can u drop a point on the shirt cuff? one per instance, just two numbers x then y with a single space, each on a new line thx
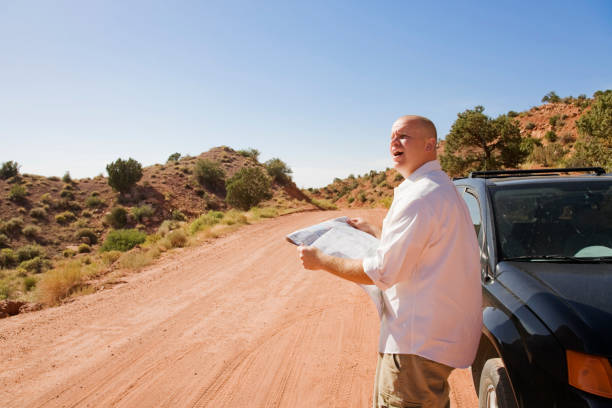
370 267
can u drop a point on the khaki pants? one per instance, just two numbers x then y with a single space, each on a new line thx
408 380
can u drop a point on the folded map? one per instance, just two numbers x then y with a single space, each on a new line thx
336 237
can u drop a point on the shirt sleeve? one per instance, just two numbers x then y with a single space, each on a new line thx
403 239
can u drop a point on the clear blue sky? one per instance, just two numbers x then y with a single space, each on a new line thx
317 84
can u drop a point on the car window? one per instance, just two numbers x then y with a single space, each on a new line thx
474 208
572 219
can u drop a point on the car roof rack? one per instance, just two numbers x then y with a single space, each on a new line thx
525 173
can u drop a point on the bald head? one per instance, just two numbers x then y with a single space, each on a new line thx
420 124
413 143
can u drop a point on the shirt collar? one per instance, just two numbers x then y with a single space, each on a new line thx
426 168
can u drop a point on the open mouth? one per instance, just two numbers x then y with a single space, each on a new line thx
397 154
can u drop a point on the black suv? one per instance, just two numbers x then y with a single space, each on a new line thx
545 241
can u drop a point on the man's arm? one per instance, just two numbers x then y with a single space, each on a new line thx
350 269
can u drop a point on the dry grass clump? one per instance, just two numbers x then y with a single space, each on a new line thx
139 259
324 204
256 213
234 217
109 257
59 283
174 239
205 221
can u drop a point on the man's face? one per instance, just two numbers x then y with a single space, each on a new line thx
409 147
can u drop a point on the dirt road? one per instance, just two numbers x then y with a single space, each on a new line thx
233 323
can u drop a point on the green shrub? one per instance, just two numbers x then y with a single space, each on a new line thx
123 240
29 283
4 241
84 248
65 217
551 136
38 212
554 120
9 169
28 252
67 178
67 194
142 212
86 214
250 152
350 199
247 188
117 217
512 114
69 253
177 215
362 197
278 170
123 174
93 201
90 237
8 258
530 126
398 177
17 193
31 231
12 226
205 220
174 157
35 265
209 174
67 204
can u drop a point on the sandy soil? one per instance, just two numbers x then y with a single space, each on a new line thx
234 322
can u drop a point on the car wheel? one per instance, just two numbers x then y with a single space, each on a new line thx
495 389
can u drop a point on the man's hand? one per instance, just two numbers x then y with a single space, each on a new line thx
364 226
310 257
350 269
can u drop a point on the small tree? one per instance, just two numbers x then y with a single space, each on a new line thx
278 170
9 169
477 142
67 178
123 174
551 97
173 157
247 188
594 148
209 174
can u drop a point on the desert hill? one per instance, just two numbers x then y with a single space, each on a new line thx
551 125
54 210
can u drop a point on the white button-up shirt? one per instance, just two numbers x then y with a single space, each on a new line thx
428 267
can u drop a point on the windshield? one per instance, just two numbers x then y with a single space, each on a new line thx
560 220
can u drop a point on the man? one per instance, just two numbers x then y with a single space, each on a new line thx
427 266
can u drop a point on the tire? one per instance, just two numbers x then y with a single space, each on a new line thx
495 390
